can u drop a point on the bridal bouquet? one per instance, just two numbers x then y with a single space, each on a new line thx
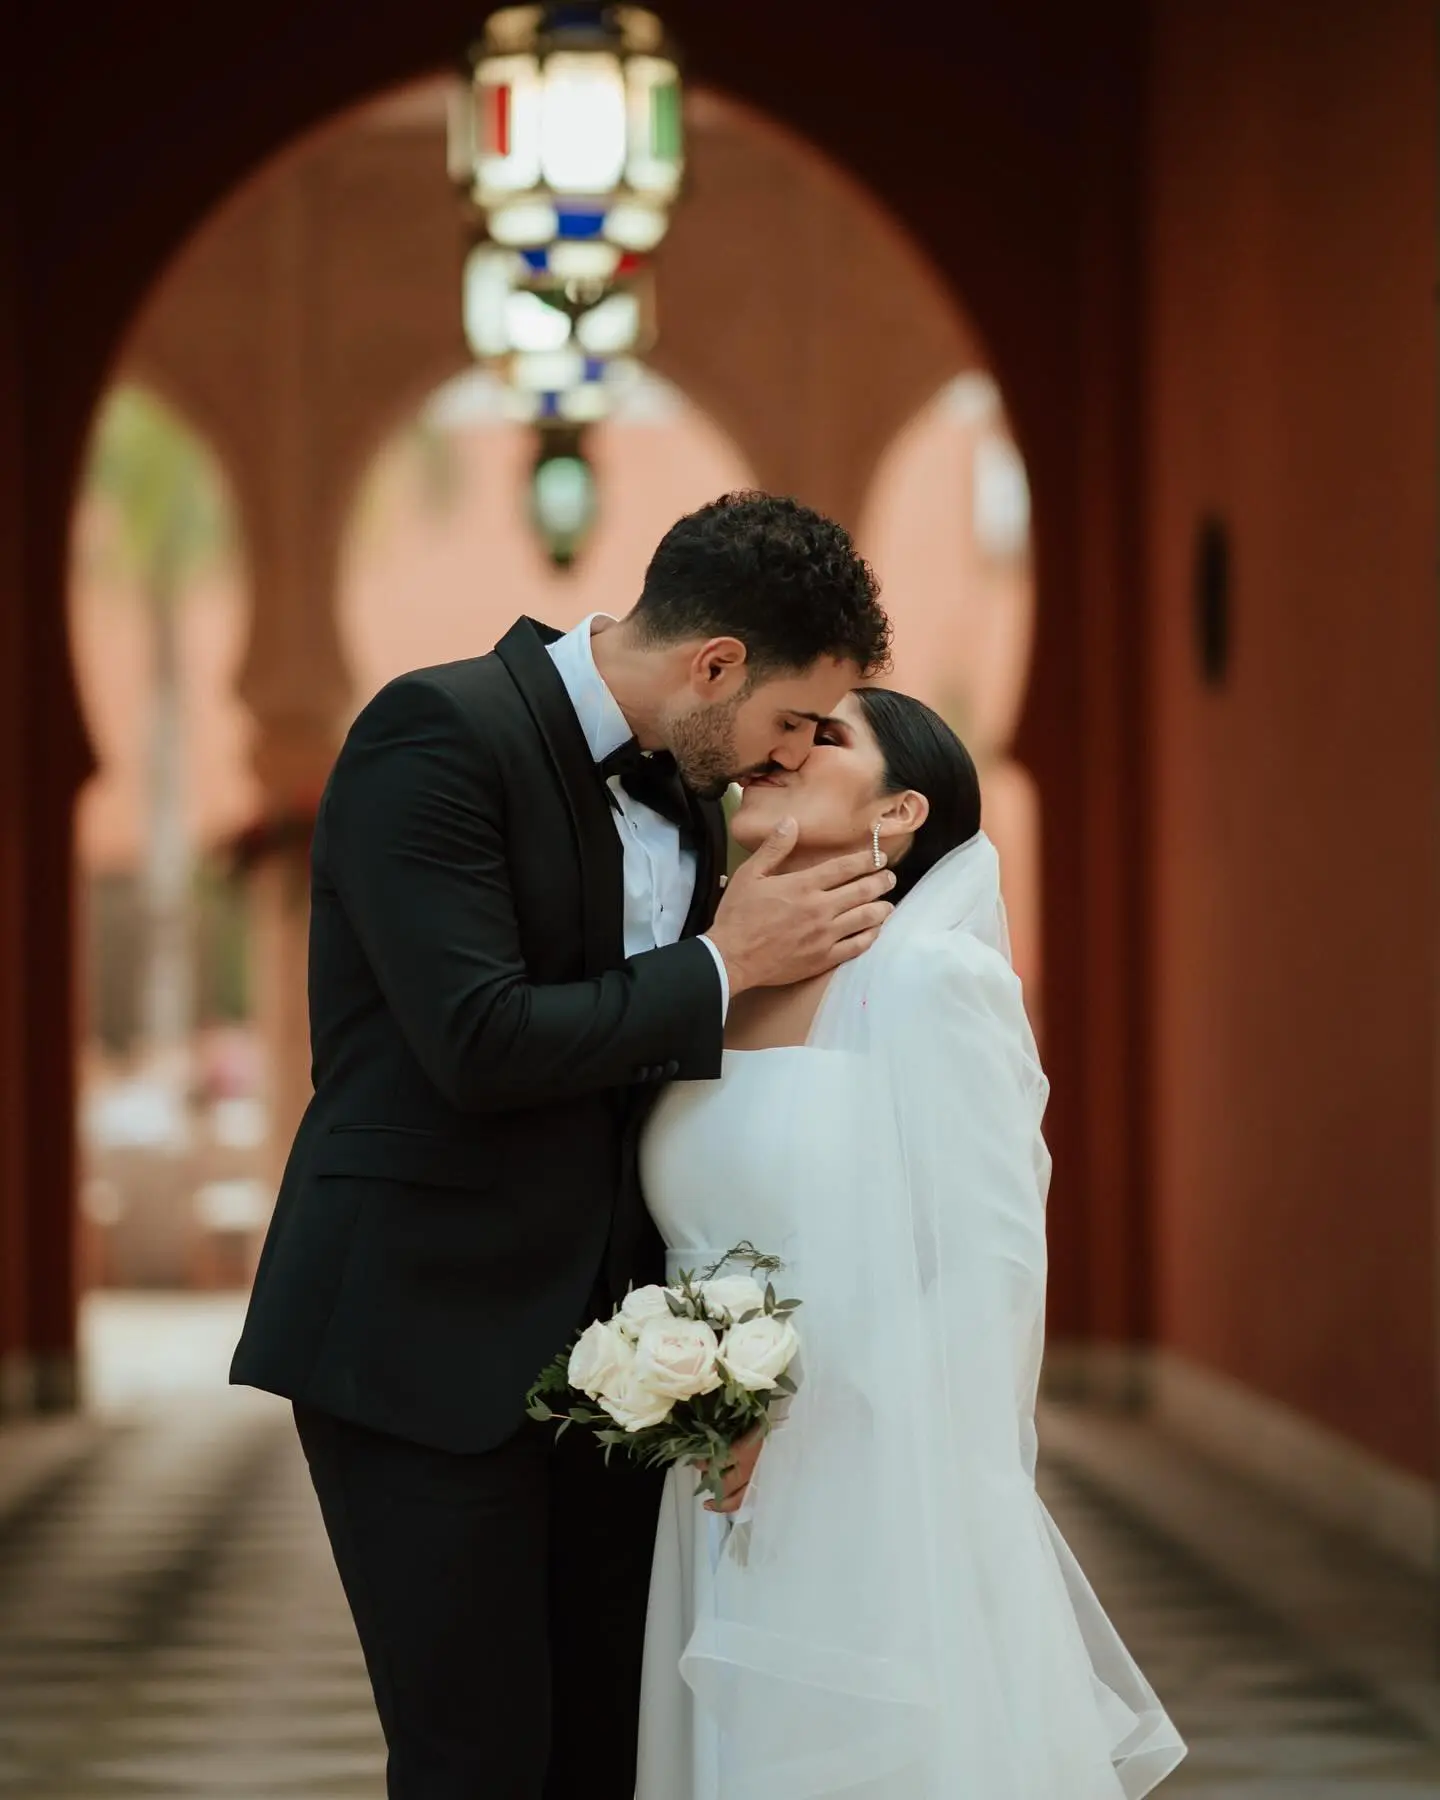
681 1373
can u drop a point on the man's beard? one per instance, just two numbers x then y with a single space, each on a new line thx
703 745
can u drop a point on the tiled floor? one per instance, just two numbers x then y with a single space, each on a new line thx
170 1626
1266 1715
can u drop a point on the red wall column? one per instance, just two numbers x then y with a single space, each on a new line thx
59 761
1111 679
1077 385
43 760
14 1361
51 1016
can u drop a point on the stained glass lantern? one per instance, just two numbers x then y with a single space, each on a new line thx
547 392
567 135
516 306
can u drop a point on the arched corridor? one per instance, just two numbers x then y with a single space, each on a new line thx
1174 250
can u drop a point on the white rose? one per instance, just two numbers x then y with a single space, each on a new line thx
676 1357
641 1305
634 1405
757 1353
732 1296
601 1355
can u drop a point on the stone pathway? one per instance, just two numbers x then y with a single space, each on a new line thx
1266 1716
170 1626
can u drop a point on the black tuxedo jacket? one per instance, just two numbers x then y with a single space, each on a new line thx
464 1178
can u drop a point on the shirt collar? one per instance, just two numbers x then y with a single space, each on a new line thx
604 725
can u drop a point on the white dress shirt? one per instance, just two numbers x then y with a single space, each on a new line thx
659 869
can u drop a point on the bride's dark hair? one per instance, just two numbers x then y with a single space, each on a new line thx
922 752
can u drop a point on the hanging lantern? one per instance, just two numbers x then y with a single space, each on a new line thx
580 398
563 501
568 135
515 305
566 140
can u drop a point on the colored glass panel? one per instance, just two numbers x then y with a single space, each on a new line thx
665 121
574 18
499 117
578 223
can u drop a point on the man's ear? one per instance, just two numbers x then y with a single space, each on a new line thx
717 664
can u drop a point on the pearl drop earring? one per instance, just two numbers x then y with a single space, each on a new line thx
875 846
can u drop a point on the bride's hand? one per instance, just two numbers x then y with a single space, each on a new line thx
739 1472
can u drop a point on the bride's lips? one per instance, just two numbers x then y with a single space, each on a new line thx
749 781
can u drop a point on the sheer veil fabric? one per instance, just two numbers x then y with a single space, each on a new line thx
899 1618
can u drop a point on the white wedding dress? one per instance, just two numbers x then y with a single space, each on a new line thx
894 1616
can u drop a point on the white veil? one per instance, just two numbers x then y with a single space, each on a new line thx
899 1616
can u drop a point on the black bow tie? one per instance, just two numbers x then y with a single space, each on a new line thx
650 777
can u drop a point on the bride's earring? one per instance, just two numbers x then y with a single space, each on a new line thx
879 860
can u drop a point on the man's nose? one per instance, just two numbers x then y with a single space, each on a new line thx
791 754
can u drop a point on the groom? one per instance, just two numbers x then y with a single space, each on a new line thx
514 863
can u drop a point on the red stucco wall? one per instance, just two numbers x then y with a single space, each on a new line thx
1292 387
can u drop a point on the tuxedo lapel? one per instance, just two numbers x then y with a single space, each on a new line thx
602 876
711 848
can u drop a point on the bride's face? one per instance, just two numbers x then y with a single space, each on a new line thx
837 795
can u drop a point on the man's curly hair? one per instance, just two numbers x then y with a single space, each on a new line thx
783 579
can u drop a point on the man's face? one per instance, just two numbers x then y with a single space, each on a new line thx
770 725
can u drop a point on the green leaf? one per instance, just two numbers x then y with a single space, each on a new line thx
745 1252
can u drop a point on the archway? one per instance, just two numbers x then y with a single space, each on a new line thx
1008 290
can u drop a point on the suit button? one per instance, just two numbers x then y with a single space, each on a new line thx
644 1073
671 1070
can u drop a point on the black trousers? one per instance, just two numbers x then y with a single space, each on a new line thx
500 1601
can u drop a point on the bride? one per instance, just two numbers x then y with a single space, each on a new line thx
891 1614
